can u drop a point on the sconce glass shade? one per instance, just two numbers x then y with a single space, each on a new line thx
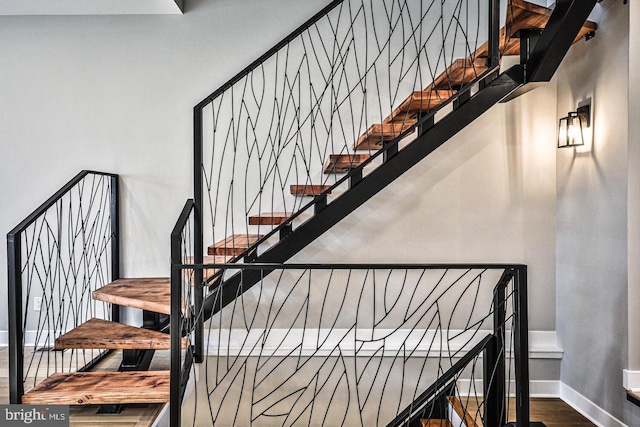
571 128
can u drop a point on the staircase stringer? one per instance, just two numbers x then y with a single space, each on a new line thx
368 186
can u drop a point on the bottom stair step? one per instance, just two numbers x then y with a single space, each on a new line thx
104 334
101 388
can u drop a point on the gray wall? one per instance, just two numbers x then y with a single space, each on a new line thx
592 217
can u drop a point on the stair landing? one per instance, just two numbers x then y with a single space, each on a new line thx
101 388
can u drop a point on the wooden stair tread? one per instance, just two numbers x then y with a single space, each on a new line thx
459 408
435 423
309 190
234 245
378 134
209 259
99 388
104 334
341 163
419 102
523 15
461 72
151 294
269 218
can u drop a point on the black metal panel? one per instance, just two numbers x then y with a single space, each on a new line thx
394 167
176 328
198 234
521 350
565 22
16 339
115 241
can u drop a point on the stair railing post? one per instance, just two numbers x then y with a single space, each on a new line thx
16 339
198 237
521 346
175 395
494 359
115 241
494 34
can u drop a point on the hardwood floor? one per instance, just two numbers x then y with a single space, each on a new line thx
552 412
556 413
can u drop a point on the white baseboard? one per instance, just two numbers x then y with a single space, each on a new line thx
631 380
590 410
323 342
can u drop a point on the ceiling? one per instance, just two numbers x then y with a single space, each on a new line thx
90 7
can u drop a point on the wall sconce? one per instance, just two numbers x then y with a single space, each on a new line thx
571 130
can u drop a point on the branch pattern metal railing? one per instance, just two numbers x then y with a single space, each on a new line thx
347 344
359 345
60 254
277 122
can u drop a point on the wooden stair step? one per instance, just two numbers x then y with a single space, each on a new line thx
461 72
522 15
378 134
209 259
100 388
419 102
234 245
104 334
461 411
309 190
151 294
342 163
435 423
269 218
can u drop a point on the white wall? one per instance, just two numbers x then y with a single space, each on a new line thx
592 217
116 94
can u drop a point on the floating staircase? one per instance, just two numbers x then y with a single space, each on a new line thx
411 117
468 87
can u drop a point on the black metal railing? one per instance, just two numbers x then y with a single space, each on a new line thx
276 123
356 345
57 257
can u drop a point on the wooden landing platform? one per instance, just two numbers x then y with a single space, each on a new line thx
100 388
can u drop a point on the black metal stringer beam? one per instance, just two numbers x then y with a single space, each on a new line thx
370 185
565 22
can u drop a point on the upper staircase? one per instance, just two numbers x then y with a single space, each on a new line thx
415 126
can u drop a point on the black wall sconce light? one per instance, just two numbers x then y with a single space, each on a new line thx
572 129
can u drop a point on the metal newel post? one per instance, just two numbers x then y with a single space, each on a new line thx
521 347
16 342
198 237
115 240
494 33
175 402
494 365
